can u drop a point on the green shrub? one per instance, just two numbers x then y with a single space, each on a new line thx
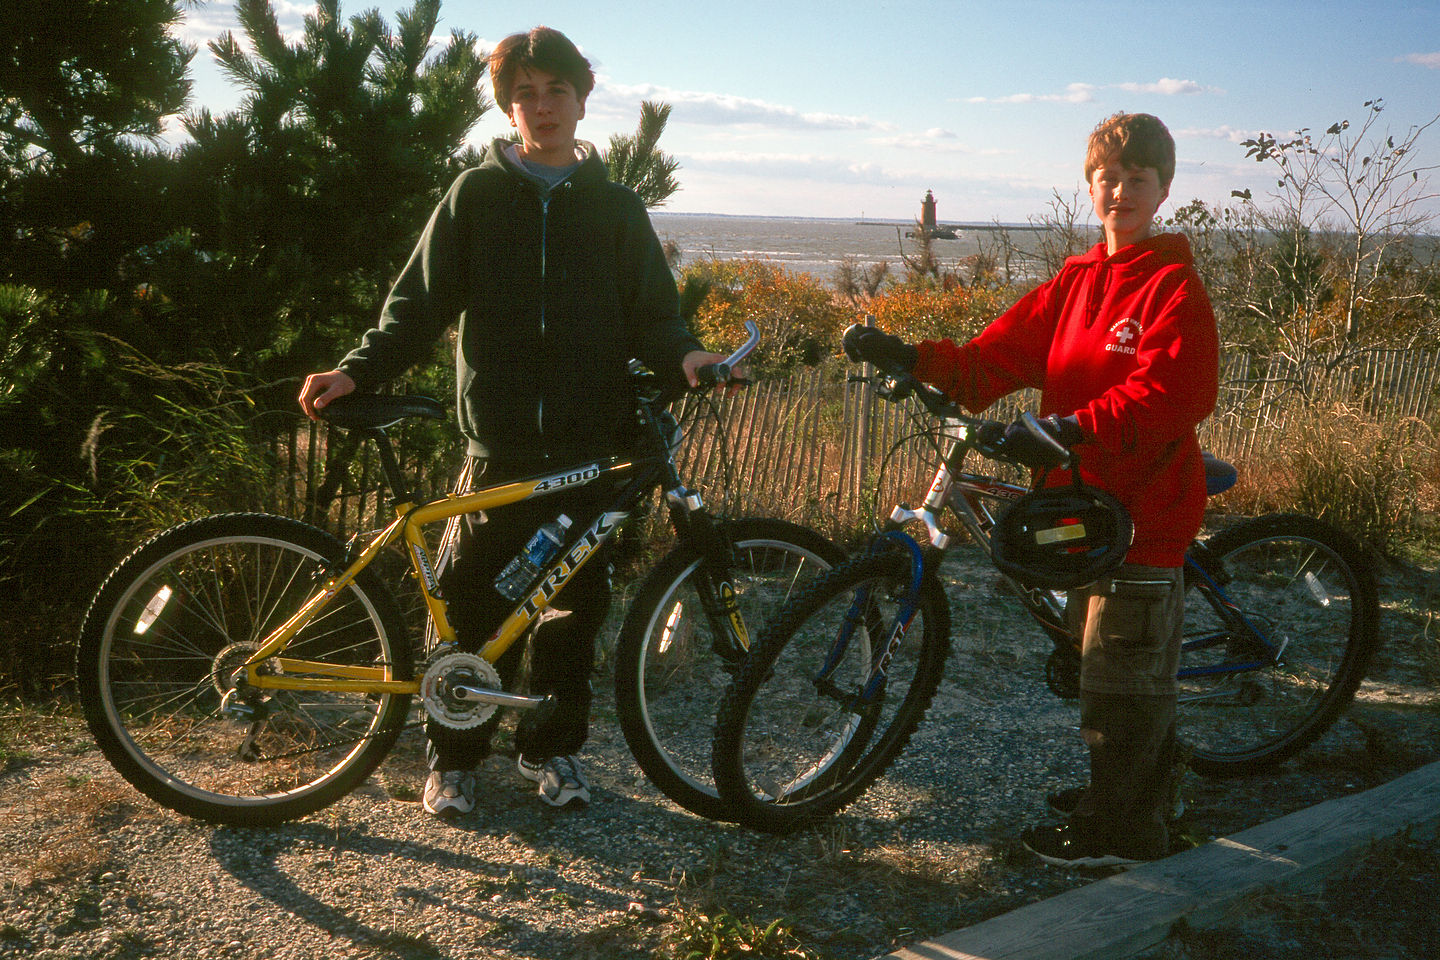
101 447
918 311
800 320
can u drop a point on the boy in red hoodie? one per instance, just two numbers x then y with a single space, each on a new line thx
1123 346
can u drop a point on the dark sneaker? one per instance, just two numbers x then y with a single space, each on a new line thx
449 793
1063 846
560 779
1064 803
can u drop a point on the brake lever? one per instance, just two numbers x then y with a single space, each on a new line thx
1045 437
895 388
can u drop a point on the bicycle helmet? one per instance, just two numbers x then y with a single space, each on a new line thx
1060 538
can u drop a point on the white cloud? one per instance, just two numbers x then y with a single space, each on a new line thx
1223 132
1085 92
936 140
806 184
785 165
721 109
1168 87
205 23
1074 93
1430 60
796 168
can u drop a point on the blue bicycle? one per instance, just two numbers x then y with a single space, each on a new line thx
1281 625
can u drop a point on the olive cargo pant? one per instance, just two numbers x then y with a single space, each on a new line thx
1131 630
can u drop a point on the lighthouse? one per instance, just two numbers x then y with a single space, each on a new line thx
929 228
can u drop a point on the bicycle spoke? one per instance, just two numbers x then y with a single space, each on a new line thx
189 611
1268 661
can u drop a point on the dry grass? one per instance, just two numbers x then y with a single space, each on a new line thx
72 818
1372 478
842 891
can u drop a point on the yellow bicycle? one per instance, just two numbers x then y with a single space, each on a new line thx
249 668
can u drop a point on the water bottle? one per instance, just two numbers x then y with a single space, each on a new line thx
530 562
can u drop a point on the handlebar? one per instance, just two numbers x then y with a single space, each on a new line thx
897 384
1047 438
984 436
714 374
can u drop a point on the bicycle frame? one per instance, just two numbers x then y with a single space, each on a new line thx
967 495
267 670
408 527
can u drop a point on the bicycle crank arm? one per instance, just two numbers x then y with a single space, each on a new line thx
497 697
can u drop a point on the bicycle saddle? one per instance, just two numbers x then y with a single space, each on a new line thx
370 411
1219 475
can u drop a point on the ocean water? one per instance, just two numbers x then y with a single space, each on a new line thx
813 246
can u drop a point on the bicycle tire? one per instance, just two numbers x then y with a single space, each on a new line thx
668 677
170 626
1306 586
788 753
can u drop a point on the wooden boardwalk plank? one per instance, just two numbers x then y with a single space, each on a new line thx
1130 912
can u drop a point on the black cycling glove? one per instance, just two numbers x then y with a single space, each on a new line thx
1020 444
886 351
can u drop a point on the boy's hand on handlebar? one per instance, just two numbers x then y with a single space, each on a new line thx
886 351
321 388
696 359
1019 444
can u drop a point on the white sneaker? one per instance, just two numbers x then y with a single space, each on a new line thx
560 778
449 793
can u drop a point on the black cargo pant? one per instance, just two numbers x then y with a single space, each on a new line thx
562 646
1131 628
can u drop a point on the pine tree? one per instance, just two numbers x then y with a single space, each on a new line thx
637 161
343 144
82 77
85 87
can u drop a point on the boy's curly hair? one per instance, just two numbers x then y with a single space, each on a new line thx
1136 140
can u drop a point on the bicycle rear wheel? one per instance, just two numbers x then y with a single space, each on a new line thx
671 668
826 701
165 639
1279 630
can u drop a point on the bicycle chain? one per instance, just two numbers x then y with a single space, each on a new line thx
328 746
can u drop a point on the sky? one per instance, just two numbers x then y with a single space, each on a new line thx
855 108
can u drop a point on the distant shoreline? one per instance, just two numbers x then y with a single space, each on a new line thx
859 222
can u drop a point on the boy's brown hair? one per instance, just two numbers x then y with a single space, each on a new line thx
1136 140
540 49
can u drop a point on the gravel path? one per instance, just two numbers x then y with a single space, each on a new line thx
89 868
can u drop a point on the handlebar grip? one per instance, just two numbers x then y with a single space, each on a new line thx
1047 438
713 374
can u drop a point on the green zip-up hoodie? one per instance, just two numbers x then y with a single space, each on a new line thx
553 291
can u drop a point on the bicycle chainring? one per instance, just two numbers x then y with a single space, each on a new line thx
440 679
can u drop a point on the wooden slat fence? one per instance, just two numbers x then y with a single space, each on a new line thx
820 448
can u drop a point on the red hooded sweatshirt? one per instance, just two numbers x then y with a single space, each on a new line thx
1127 344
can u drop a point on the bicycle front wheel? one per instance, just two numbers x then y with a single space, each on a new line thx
1280 626
831 693
160 675
670 666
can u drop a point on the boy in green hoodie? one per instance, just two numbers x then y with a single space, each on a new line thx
554 279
